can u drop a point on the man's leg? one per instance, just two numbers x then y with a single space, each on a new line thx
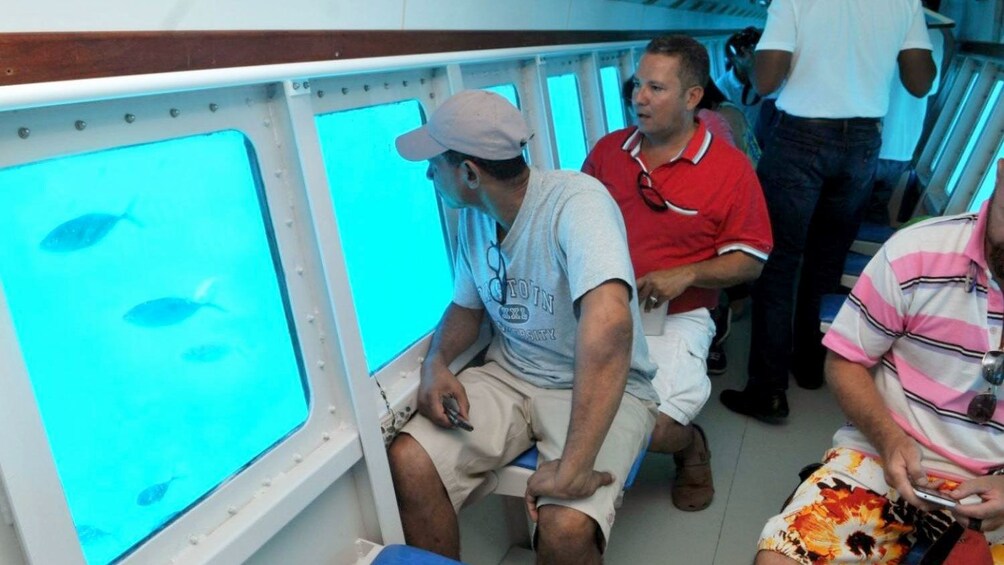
427 515
565 535
693 487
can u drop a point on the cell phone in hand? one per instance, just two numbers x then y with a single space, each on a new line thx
934 496
452 409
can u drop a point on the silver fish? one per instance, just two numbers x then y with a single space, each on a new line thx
154 493
165 311
206 353
82 231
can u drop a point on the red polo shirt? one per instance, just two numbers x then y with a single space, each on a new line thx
716 206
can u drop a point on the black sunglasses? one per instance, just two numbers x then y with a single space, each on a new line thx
652 197
497 284
982 406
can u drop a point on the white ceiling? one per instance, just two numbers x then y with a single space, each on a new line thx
742 8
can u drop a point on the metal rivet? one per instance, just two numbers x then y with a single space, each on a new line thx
175 112
366 87
326 436
297 457
320 94
80 125
129 118
278 173
299 270
266 483
421 81
232 510
296 86
194 540
320 364
421 359
214 107
338 53
267 123
310 318
345 90
386 86
23 133
306 84
289 223
404 83
331 408
432 95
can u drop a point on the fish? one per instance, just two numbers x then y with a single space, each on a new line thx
171 310
83 231
206 353
154 493
89 534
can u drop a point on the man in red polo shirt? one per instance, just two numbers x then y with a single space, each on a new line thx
696 223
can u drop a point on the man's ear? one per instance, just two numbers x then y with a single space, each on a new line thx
694 95
472 175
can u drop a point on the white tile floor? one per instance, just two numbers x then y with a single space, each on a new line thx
755 467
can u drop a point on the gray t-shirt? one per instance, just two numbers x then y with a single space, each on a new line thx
567 239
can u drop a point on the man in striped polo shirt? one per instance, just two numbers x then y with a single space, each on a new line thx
915 356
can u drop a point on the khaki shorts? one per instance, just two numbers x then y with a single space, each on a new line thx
681 353
509 415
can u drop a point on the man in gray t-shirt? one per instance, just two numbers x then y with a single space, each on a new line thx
544 254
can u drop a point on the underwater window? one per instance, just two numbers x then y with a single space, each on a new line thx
943 142
989 180
613 102
149 304
390 226
566 112
981 124
507 91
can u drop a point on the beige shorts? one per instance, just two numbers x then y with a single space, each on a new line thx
509 415
681 353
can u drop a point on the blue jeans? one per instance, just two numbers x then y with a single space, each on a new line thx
887 175
816 176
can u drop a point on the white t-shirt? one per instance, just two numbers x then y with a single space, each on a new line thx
567 239
903 124
843 53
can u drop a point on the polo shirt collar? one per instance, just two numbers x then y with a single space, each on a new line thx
975 249
695 150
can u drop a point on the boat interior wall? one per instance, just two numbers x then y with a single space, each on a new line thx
10 549
977 20
744 8
114 15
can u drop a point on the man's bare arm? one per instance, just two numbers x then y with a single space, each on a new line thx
457 331
602 360
770 69
860 400
723 271
917 71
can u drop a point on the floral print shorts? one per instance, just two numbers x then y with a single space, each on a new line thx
846 513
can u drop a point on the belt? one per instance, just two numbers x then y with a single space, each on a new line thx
842 123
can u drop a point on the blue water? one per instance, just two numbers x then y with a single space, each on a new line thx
974 135
390 225
566 110
507 91
986 187
613 104
147 304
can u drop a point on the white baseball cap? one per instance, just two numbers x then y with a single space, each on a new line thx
473 122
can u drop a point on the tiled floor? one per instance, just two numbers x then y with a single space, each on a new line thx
755 467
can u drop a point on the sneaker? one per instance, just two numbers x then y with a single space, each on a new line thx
717 362
722 317
771 408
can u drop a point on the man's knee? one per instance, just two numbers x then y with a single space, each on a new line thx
410 466
560 528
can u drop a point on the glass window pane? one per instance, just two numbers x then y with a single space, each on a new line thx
566 110
507 91
973 136
390 226
613 103
955 121
149 303
987 185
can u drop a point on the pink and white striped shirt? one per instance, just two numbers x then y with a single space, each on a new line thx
921 316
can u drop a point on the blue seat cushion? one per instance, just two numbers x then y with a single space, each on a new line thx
397 554
829 306
875 233
855 263
528 460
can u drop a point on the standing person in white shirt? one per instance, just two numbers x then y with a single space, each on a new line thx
838 59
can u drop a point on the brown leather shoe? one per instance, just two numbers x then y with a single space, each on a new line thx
693 487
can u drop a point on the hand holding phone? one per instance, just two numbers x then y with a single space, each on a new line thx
942 499
452 409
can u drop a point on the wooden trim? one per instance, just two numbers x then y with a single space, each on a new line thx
48 57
